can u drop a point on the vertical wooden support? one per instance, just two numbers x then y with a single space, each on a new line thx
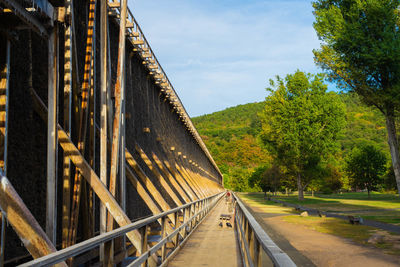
103 112
67 122
119 88
51 202
4 99
119 92
83 117
93 122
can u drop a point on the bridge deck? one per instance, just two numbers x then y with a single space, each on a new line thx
210 245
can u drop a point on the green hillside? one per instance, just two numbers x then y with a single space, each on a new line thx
231 137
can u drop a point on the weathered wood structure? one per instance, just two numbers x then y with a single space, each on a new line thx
93 135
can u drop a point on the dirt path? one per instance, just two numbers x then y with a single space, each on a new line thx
322 249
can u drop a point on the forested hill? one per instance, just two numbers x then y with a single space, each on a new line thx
231 137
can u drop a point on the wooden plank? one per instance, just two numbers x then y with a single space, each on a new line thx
159 176
172 180
25 225
51 196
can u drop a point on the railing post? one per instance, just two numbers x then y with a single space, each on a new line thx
251 243
163 234
176 227
143 233
257 250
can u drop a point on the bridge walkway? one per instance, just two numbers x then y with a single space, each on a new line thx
210 244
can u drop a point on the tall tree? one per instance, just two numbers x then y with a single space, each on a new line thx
365 166
300 124
361 51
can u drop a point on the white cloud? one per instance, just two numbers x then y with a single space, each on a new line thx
221 53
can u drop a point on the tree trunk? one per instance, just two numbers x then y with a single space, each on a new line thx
312 193
287 191
368 193
300 187
394 147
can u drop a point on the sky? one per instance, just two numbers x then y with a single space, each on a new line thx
222 53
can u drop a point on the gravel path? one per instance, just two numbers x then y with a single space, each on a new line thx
311 248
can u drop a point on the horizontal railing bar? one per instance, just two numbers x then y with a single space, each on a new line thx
91 243
278 257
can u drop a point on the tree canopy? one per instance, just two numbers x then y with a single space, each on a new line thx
361 52
366 165
301 123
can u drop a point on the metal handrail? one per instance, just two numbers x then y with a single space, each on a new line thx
252 238
94 242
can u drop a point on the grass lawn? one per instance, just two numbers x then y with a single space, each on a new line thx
380 207
357 233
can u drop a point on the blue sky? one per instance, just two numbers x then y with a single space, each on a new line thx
221 53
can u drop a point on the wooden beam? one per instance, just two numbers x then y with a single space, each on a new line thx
25 225
51 196
94 181
83 118
148 184
116 134
103 112
143 194
89 174
190 181
182 181
172 180
159 176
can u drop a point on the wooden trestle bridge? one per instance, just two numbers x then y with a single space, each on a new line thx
100 162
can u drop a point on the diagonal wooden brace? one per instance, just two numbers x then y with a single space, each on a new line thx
25 225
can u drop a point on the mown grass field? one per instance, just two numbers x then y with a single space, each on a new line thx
380 207
347 203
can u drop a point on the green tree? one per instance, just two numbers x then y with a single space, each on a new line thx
267 178
361 52
300 124
365 166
